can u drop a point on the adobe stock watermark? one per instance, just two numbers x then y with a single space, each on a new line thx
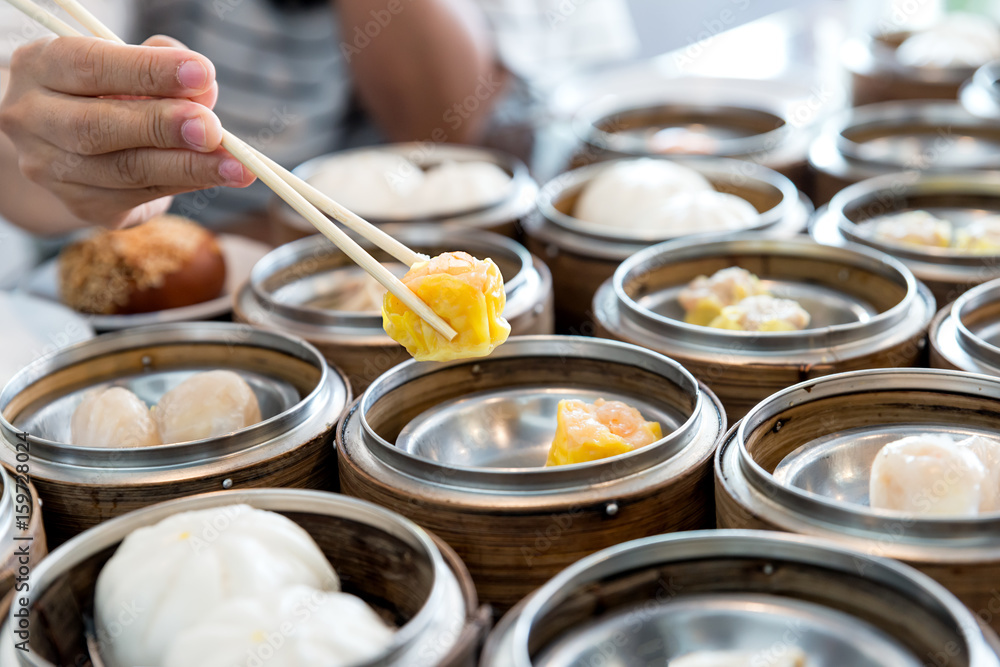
363 34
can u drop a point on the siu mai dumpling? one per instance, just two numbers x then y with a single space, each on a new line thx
929 475
914 228
981 237
206 405
587 432
113 417
791 657
468 293
762 313
328 629
704 298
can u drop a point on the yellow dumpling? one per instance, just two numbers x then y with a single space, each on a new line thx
586 432
762 313
704 298
468 293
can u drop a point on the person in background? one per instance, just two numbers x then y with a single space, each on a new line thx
94 133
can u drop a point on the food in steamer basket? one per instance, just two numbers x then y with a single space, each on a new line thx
381 184
981 236
958 40
933 475
166 262
588 432
647 194
205 405
735 299
233 568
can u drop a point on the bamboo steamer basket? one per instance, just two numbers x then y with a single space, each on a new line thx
959 197
301 399
800 462
867 311
720 125
583 255
412 579
891 137
878 76
652 600
22 534
964 335
980 95
290 288
502 217
460 449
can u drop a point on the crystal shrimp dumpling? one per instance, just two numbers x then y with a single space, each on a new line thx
468 293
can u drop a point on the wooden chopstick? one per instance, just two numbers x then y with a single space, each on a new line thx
282 182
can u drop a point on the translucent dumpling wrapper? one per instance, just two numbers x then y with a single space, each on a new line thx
932 475
451 187
701 212
206 405
959 40
468 293
587 432
987 451
704 298
630 193
915 228
376 184
762 313
168 577
790 657
980 237
292 627
113 417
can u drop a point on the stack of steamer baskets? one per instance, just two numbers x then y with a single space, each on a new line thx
413 581
866 311
889 137
801 462
698 117
502 214
309 288
959 198
300 397
583 254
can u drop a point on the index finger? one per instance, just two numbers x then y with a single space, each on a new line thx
91 67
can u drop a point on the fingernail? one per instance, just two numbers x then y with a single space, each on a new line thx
194 133
192 74
232 171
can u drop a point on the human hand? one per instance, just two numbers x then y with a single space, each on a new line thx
114 131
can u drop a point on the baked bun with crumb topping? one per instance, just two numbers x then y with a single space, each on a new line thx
167 262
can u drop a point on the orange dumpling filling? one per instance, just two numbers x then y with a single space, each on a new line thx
466 292
586 432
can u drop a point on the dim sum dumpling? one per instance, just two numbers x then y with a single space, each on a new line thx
630 193
981 237
987 451
113 417
700 212
168 577
762 313
929 475
918 228
792 657
704 298
451 187
587 432
206 405
376 183
958 40
466 292
295 626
